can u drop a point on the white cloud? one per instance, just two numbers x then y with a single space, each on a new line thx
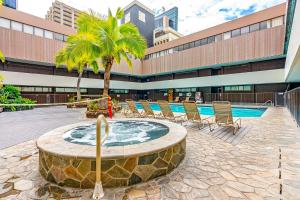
194 15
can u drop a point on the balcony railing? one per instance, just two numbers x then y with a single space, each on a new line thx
292 102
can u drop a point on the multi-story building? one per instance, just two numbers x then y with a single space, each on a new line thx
63 14
252 57
172 15
142 17
11 3
165 33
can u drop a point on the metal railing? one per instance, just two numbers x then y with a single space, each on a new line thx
98 191
292 102
240 98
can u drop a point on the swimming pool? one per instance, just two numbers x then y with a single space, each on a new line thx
208 110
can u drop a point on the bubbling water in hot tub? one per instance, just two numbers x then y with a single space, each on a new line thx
121 133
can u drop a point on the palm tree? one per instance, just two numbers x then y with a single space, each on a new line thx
79 51
115 42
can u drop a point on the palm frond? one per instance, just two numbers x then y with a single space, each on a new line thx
2 57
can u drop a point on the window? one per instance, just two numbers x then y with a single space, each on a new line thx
180 48
277 21
16 26
197 43
175 49
192 44
245 88
203 41
65 38
210 39
218 37
27 89
28 29
263 25
38 32
48 34
236 33
142 16
227 35
245 30
4 23
127 17
58 36
254 27
186 46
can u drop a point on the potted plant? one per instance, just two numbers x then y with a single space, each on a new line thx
71 101
116 105
93 110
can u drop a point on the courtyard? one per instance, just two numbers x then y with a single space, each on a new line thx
263 164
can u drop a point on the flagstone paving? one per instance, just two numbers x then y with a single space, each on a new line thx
264 165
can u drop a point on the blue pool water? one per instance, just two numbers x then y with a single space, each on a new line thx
121 133
208 110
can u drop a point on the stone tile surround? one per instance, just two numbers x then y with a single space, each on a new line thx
264 165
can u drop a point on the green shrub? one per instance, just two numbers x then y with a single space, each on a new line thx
12 95
93 107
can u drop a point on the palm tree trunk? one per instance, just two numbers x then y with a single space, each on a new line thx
107 77
78 86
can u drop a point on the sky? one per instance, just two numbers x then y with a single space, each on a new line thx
194 15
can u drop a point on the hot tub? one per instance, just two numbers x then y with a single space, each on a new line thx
136 150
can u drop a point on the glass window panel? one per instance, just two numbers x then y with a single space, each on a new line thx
180 48
60 89
4 23
127 17
197 43
28 29
241 88
65 38
227 35
58 36
236 33
38 32
142 16
186 46
48 34
277 21
234 88
39 89
175 49
27 89
245 30
203 41
16 26
263 25
192 44
227 88
247 88
269 24
254 27
218 37
210 39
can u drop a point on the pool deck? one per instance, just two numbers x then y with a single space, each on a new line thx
263 164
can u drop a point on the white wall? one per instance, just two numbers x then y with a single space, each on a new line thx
292 65
260 77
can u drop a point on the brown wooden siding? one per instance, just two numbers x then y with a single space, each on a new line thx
260 44
255 45
19 45
22 46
